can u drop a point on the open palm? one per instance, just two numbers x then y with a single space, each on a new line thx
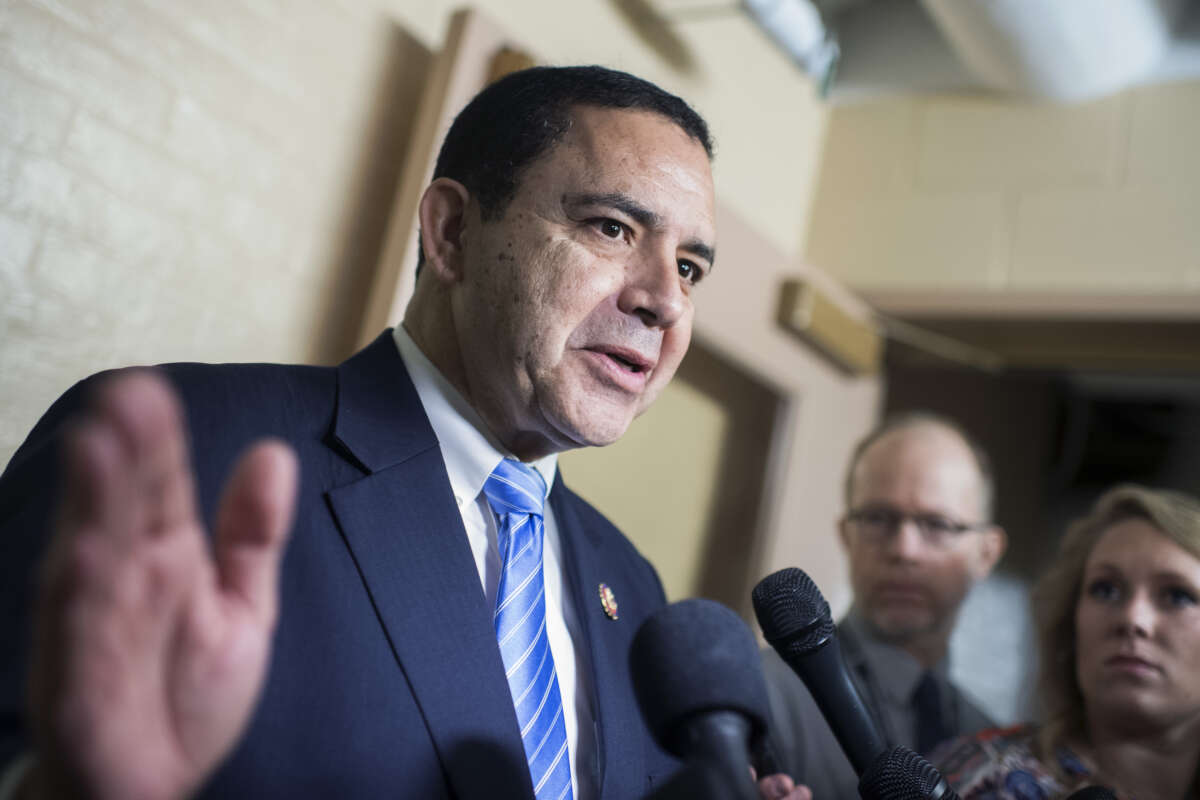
152 645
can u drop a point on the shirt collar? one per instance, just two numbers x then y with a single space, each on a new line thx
468 447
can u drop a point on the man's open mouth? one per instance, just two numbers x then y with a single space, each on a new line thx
626 359
626 363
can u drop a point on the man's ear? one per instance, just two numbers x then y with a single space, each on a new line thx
992 544
443 213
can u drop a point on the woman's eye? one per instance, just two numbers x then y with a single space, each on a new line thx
1179 596
1102 589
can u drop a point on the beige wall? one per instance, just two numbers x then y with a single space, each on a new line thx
212 180
971 193
658 483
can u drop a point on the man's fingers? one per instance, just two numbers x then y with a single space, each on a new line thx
93 494
144 413
253 523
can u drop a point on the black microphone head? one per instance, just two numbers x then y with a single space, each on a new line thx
692 657
793 613
901 774
1093 793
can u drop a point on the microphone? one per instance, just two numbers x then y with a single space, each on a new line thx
795 619
698 679
901 774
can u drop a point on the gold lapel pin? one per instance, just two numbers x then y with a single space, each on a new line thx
608 601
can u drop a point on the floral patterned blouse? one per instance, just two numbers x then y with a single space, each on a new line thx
1000 764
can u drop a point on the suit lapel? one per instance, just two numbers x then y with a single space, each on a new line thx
621 758
402 524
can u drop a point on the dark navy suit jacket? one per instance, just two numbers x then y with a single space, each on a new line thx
385 677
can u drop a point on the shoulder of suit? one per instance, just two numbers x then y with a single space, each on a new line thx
292 397
274 378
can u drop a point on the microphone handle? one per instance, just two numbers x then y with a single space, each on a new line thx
764 759
719 739
824 673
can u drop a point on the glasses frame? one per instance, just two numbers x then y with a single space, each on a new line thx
936 529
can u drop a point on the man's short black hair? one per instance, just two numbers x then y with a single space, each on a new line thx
519 117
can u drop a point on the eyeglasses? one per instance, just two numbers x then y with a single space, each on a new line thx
877 523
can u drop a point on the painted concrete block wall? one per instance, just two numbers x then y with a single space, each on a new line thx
984 194
175 184
211 181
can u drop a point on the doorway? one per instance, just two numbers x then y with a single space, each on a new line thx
1075 407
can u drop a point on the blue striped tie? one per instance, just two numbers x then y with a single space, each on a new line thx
517 494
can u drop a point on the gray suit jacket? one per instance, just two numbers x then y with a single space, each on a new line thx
886 676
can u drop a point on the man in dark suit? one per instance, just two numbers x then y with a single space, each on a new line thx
919 535
570 217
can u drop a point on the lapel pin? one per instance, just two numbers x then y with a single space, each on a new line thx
608 601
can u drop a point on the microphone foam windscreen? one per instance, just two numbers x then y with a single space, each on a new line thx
901 774
792 612
696 656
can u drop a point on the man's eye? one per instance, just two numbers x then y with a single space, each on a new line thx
939 525
611 228
877 519
690 272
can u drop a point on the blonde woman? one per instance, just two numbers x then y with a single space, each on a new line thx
1118 617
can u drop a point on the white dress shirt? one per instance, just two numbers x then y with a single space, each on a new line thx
470 454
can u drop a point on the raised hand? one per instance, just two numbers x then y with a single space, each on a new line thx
151 645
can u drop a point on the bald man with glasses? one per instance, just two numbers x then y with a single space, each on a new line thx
918 535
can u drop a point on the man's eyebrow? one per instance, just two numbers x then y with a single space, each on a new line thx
702 250
638 213
621 202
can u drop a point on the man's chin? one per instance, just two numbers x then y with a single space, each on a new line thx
898 628
599 426
593 437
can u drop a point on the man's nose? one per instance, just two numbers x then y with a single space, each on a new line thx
906 542
654 290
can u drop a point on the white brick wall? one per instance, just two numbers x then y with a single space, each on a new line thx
38 44
19 238
201 180
36 116
172 176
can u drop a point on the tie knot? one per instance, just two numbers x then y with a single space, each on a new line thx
515 488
